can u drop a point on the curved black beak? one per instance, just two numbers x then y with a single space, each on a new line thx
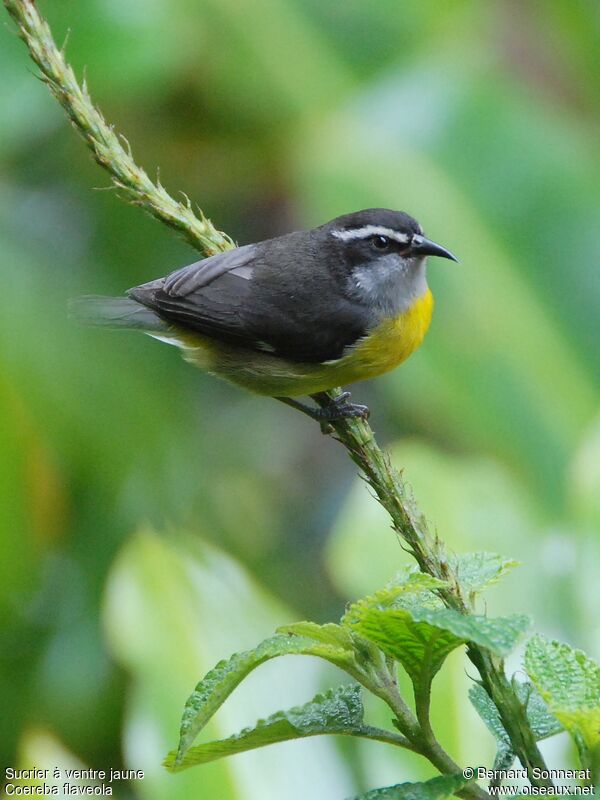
424 247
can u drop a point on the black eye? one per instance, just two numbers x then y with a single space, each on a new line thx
380 242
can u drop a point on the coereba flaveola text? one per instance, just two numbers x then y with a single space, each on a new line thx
295 315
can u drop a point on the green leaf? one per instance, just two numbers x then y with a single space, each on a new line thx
489 714
328 634
338 711
360 654
499 635
435 789
219 683
569 682
421 638
420 648
542 722
477 571
405 589
411 580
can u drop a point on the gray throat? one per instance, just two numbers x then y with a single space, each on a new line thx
391 284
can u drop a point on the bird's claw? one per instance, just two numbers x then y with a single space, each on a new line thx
340 408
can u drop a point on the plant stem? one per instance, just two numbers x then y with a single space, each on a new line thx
107 147
422 703
425 743
389 737
420 736
358 438
404 718
355 435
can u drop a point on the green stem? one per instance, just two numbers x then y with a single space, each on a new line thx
422 704
425 743
381 735
428 551
417 731
107 147
404 718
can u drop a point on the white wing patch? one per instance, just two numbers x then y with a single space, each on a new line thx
371 230
167 339
264 346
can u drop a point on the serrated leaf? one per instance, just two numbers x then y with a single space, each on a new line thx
329 634
338 711
500 635
411 580
480 570
362 652
542 722
435 789
569 682
490 716
219 683
421 638
420 647
403 590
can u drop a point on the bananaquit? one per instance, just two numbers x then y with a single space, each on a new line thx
295 315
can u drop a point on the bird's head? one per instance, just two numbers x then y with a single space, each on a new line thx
381 253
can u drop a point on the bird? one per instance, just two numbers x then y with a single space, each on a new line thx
296 315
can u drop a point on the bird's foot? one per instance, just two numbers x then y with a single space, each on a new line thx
335 409
340 408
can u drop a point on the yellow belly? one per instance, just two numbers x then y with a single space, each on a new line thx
384 348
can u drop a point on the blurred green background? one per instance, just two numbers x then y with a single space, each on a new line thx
154 520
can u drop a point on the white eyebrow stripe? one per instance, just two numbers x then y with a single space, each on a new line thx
370 230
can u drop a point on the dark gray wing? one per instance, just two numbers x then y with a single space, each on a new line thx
253 297
207 296
196 276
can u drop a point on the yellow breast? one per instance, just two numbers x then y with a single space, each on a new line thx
386 346
390 343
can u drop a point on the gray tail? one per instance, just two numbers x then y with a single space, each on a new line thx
115 312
